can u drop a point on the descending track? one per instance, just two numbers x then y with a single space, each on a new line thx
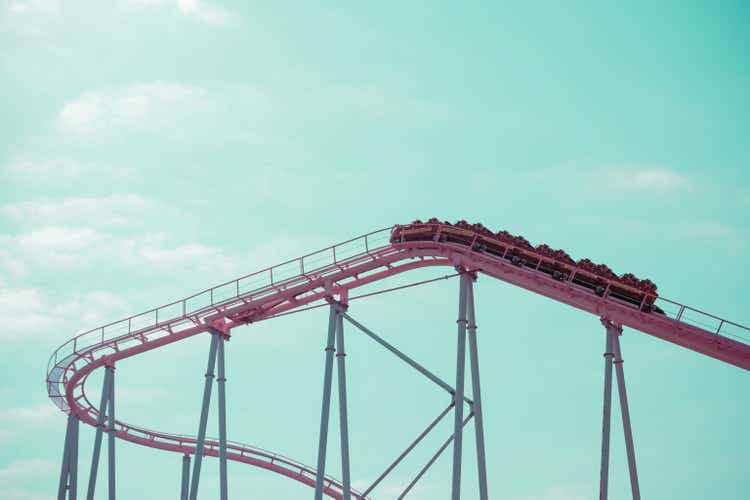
330 272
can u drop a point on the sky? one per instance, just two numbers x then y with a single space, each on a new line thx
152 148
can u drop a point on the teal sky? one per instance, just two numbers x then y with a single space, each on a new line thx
152 148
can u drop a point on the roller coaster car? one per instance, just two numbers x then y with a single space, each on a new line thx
518 251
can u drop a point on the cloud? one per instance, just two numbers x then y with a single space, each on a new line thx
141 106
173 111
30 313
656 180
61 170
194 9
41 414
112 210
33 7
28 471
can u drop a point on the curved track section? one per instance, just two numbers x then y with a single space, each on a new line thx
334 271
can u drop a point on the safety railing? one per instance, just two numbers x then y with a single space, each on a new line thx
274 276
277 276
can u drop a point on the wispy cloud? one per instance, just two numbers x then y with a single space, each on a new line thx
142 106
174 111
639 179
112 210
199 10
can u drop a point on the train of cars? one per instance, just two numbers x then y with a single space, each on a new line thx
557 264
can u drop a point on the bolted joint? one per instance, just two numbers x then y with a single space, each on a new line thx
340 354
609 354
209 375
221 379
330 348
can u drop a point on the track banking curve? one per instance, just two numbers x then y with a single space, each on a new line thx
334 271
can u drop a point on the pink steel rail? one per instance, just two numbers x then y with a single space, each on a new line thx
334 271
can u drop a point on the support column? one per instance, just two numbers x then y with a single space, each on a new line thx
459 394
634 487
222 421
604 469
98 439
185 477
68 484
343 420
200 441
324 413
111 430
478 418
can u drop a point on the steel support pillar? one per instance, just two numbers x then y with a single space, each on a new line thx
221 380
634 486
98 439
343 418
459 388
111 430
200 441
606 417
325 410
68 485
477 396
185 483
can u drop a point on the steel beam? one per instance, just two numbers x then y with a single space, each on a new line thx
604 468
68 485
201 438
343 419
408 449
111 431
478 418
98 438
432 460
324 412
459 396
619 371
185 484
222 420
403 357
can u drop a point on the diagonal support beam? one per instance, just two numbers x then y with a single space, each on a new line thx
433 459
403 357
408 449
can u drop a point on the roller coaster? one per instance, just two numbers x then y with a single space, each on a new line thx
327 278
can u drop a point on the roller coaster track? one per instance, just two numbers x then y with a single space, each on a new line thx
334 271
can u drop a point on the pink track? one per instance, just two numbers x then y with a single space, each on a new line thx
334 271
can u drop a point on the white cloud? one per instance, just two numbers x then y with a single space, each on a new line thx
659 180
41 414
194 9
33 7
112 210
144 106
57 171
25 311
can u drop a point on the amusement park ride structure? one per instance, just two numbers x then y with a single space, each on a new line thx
325 278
